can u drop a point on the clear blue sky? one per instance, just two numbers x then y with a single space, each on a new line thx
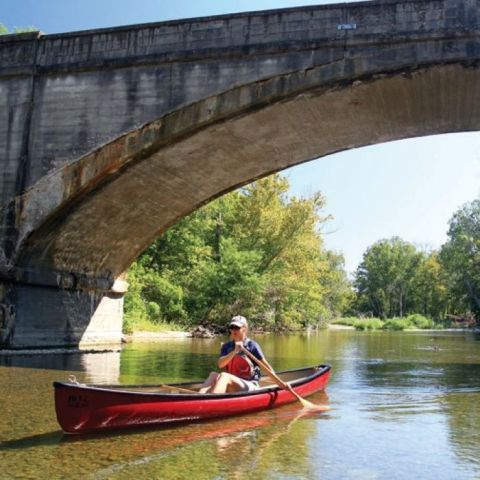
408 188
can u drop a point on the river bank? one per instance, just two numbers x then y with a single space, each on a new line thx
200 332
143 336
153 336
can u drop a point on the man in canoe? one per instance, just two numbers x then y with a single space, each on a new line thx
241 375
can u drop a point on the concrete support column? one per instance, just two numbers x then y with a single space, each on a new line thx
47 316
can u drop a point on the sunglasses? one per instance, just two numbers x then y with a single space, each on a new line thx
234 327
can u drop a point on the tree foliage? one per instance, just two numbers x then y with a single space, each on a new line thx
460 256
397 279
256 251
385 278
430 290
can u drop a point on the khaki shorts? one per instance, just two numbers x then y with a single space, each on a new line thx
248 385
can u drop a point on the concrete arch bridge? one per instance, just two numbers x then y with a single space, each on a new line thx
108 137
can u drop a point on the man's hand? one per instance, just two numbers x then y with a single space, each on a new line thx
226 359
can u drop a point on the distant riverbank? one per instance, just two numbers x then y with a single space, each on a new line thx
152 336
413 322
336 326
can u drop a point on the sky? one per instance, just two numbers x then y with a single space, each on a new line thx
408 188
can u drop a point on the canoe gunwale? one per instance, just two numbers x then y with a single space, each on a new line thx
123 389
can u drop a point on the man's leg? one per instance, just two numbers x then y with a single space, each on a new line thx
227 383
207 384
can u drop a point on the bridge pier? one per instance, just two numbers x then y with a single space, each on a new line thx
43 316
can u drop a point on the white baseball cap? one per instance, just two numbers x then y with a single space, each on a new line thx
239 321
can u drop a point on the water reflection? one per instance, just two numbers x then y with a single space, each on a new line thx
405 405
101 368
233 447
97 367
463 418
418 376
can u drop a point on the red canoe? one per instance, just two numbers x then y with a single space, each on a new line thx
87 408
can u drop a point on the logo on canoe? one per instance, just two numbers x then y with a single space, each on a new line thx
77 401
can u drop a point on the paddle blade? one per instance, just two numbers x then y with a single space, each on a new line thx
313 407
306 404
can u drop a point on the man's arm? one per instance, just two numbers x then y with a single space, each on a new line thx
224 360
258 353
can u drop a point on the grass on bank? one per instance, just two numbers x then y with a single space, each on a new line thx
133 324
412 322
142 323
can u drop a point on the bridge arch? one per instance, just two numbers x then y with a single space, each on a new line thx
119 198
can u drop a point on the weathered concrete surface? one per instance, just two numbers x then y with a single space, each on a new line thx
86 317
108 137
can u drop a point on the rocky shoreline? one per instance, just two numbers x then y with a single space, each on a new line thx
197 332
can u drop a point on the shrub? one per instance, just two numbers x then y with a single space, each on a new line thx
128 324
397 324
368 324
348 321
154 311
164 299
419 321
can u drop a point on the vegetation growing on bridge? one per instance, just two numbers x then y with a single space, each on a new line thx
4 30
260 252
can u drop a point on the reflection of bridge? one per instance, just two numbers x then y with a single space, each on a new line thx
109 136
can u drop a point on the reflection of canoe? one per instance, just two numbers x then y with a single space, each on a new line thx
86 408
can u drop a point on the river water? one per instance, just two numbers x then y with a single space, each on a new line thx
405 405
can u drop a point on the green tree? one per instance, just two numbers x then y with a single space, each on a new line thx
339 294
255 251
430 288
385 278
460 256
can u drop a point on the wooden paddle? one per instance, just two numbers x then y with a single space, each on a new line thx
178 389
285 385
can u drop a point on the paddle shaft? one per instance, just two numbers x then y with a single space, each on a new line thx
183 390
270 372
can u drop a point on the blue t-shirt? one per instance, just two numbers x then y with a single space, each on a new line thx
253 347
